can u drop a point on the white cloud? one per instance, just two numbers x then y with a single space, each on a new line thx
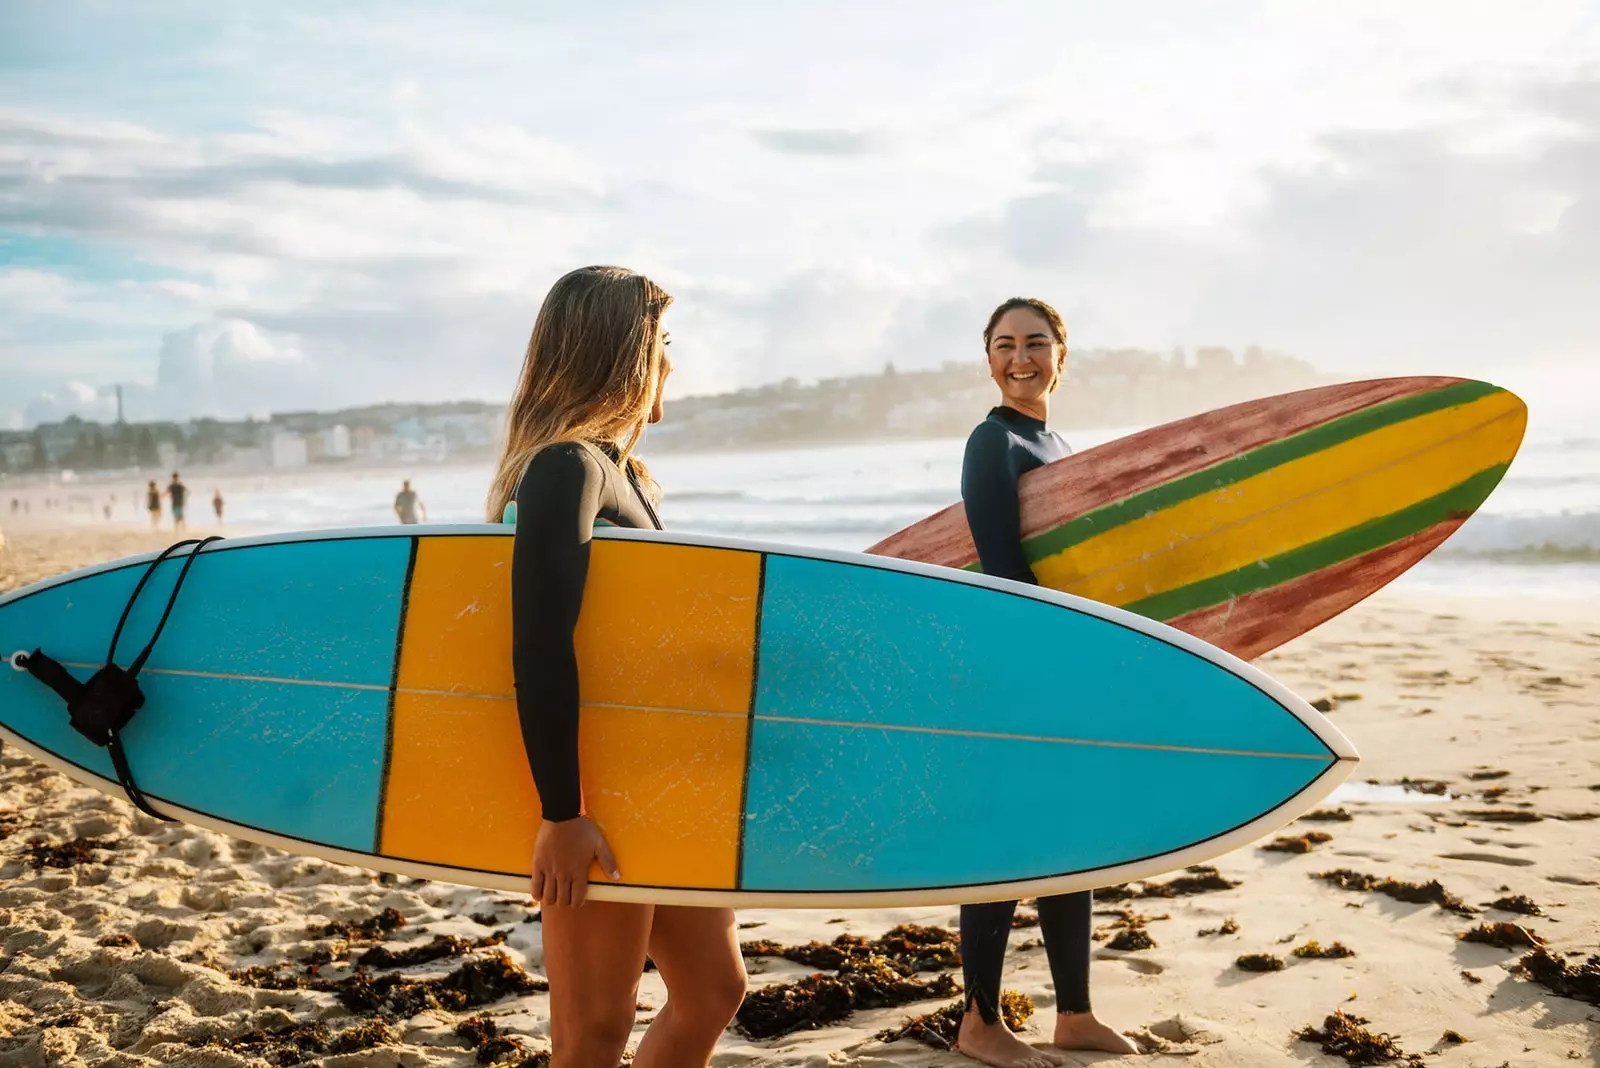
74 398
823 189
229 368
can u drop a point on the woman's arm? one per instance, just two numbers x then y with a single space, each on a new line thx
557 502
989 492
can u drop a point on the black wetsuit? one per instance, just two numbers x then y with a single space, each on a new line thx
565 490
1000 450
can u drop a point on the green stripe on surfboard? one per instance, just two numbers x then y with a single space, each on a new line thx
1461 499
1246 465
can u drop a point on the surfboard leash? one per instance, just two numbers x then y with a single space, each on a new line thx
100 708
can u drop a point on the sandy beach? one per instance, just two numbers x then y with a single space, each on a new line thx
131 942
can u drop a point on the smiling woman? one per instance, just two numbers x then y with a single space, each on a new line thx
1026 345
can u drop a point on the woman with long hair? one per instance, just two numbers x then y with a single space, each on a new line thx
591 381
1026 345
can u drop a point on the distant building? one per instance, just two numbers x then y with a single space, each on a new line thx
336 443
1214 361
289 450
915 417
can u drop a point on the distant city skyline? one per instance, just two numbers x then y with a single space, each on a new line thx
231 209
1110 388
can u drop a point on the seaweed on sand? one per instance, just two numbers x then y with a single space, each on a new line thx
1259 962
1502 936
914 947
1345 1037
370 929
1298 843
477 982
1430 892
871 982
1328 815
301 1043
1199 879
1131 939
439 948
44 854
1521 904
483 1035
1314 950
940 1028
1545 968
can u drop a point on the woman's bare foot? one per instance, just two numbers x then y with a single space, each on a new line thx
995 1044
1080 1030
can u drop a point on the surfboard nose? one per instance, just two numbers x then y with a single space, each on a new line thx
894 744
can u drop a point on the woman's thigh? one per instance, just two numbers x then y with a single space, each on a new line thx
593 957
696 950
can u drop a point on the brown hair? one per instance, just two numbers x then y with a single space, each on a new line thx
589 374
1058 328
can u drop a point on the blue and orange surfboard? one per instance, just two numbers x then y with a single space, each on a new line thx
761 725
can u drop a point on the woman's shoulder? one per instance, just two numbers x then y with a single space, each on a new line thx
991 434
565 463
566 455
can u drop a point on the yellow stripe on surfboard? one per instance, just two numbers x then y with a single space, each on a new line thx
1297 503
459 791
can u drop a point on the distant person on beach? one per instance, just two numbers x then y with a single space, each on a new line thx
1026 345
152 498
590 383
216 504
407 503
179 493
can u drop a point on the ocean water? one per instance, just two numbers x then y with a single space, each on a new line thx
1538 535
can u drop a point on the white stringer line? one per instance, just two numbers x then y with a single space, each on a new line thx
803 720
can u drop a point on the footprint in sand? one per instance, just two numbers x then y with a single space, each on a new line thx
1142 965
1488 858
1507 845
1195 1030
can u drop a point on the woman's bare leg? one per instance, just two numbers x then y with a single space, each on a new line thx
697 952
593 957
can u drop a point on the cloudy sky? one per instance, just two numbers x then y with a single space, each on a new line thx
240 207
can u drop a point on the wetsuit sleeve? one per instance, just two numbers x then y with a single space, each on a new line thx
557 502
989 492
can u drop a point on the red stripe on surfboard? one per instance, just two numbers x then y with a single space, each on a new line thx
1260 622
1062 491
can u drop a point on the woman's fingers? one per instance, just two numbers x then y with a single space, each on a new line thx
608 863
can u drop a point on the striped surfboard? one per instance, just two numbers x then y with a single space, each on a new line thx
1250 525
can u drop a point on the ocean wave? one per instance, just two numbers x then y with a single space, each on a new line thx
1561 538
709 495
789 529
930 499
